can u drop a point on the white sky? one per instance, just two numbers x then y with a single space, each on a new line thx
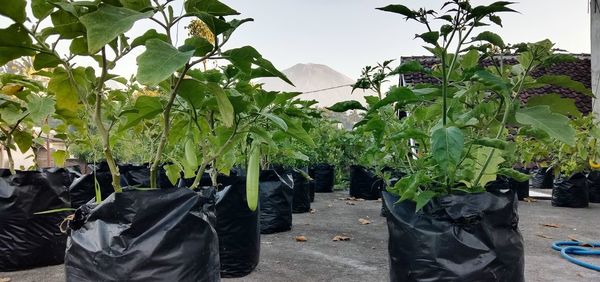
349 34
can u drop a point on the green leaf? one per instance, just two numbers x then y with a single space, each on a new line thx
23 139
40 108
150 34
252 177
173 173
14 9
447 144
493 81
490 37
408 67
225 106
107 23
193 92
44 60
66 25
470 59
213 7
200 46
410 133
276 120
55 211
14 43
492 143
495 19
401 95
565 82
145 107
430 37
423 198
137 5
296 130
79 46
41 8
491 170
555 125
11 115
66 93
516 175
159 61
59 157
399 9
343 106
557 104
244 57
264 98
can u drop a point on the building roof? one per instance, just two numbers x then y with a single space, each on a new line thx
579 70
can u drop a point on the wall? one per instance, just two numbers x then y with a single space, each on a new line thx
595 50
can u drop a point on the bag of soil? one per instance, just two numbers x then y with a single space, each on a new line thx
238 230
83 189
467 237
364 184
311 190
301 198
139 176
542 178
145 235
521 187
594 186
324 176
571 192
276 195
384 209
28 239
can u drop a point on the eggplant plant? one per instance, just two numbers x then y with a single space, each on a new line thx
456 136
100 31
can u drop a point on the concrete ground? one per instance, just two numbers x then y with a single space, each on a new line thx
364 256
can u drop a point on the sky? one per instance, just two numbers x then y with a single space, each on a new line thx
350 34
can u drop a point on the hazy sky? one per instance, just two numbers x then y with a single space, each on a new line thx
349 34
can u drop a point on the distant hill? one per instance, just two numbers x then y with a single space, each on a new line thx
311 77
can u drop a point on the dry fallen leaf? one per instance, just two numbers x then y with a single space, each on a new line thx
364 221
530 200
4 279
341 238
360 199
553 225
312 211
544 236
379 200
300 239
350 203
330 205
573 238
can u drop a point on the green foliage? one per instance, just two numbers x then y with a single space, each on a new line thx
160 61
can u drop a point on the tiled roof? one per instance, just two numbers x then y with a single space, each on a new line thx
579 70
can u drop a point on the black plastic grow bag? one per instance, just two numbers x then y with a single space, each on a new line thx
542 178
571 192
521 187
145 235
324 176
364 184
469 237
238 230
301 198
28 240
82 190
311 190
276 196
594 186
139 176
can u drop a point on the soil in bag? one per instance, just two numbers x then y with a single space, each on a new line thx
364 184
276 196
311 190
571 192
467 237
594 186
145 235
542 178
324 176
238 230
301 198
28 239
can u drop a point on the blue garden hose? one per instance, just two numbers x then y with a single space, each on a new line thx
578 248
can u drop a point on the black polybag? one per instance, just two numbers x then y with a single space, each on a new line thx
521 187
324 176
571 192
301 198
82 190
311 190
542 178
28 240
276 196
238 230
145 235
467 237
594 186
139 176
364 184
